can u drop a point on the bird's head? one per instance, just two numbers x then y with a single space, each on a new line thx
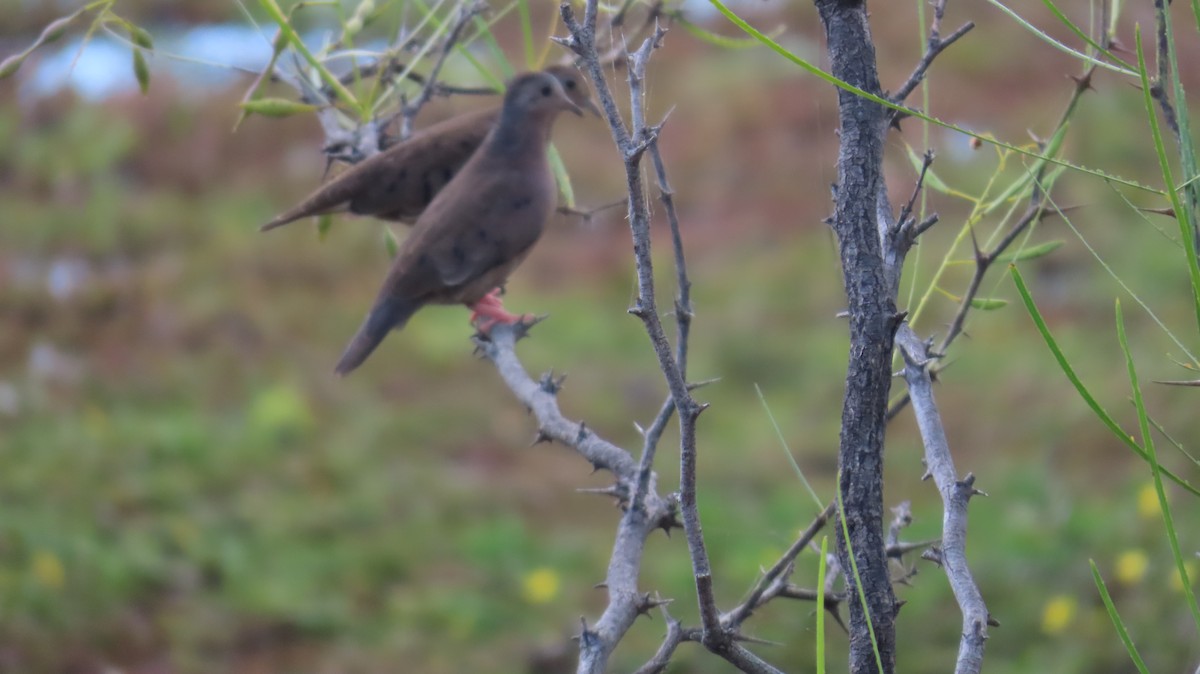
577 90
538 93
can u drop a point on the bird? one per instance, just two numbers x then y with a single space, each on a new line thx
480 227
398 183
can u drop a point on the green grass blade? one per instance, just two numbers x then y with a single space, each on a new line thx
1081 34
917 114
1187 153
1174 443
1120 281
1058 45
821 606
1091 401
285 26
1116 620
561 176
1156 469
527 33
1185 230
862 597
786 449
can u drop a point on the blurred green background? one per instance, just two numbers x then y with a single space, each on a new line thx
186 487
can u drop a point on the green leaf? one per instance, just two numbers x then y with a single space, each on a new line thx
1116 619
12 64
722 41
562 177
324 222
1083 391
1032 252
140 37
390 242
285 27
141 70
53 31
1185 226
931 178
988 303
821 606
276 107
1155 469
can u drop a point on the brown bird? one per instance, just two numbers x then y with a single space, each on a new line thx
481 226
398 183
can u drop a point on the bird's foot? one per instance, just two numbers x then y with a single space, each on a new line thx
491 310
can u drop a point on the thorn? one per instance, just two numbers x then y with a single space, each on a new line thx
738 636
992 622
582 435
1084 83
600 586
540 438
897 606
933 554
549 384
586 637
521 327
701 384
614 491
639 311
641 431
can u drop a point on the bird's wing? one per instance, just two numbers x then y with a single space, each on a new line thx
480 222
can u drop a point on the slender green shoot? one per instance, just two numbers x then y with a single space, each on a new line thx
1084 393
1181 213
1116 620
862 597
821 605
786 449
1156 469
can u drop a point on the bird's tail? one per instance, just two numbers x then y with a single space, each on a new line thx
389 313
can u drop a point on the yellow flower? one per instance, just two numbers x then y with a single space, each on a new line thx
1192 567
1147 502
1131 566
540 585
1058 614
48 569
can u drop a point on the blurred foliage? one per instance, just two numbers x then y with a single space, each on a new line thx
185 487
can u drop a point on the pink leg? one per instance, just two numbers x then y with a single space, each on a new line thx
491 307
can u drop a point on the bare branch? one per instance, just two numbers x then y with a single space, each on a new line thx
955 495
640 519
776 577
408 112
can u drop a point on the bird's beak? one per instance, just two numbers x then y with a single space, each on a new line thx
592 107
571 106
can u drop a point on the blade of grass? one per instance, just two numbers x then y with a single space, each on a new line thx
561 176
1116 620
1175 443
862 597
1058 45
821 606
527 33
1121 282
1156 469
786 449
1084 393
1188 240
1081 34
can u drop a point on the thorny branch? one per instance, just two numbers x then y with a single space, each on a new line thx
936 45
408 111
632 145
955 495
639 520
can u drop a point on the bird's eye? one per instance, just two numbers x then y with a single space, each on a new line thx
546 91
570 84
